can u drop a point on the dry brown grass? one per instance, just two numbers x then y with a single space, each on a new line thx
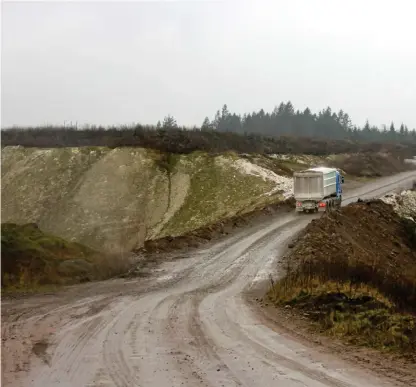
353 273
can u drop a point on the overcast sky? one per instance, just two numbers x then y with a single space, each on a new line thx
118 63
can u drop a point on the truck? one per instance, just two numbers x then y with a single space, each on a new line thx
317 189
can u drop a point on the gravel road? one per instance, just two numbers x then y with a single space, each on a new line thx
186 325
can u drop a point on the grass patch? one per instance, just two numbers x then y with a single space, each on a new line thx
166 162
217 190
36 261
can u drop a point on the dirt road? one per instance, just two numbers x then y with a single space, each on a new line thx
187 325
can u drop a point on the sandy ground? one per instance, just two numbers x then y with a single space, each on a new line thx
188 324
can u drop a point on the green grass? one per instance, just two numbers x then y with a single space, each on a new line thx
216 192
34 261
29 289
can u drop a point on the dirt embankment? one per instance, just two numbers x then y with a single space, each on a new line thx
353 273
116 199
217 230
370 164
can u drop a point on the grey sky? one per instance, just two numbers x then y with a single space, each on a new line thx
113 63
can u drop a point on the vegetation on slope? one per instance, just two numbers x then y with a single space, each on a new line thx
353 272
217 191
31 258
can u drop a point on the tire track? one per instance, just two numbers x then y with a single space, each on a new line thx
119 369
232 329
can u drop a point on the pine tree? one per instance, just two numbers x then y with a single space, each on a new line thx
169 122
225 113
281 109
289 110
217 120
346 122
206 125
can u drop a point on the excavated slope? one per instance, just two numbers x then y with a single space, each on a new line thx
115 199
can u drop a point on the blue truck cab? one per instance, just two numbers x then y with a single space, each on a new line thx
339 182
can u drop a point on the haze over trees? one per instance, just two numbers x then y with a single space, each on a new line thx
284 130
285 120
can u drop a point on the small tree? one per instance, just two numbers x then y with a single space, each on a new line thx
225 113
402 129
366 126
289 109
217 120
169 122
392 132
206 125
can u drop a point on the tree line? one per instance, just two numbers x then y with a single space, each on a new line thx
186 140
285 120
284 130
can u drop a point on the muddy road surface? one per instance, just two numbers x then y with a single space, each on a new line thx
186 325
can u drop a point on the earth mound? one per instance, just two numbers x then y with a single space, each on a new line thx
353 272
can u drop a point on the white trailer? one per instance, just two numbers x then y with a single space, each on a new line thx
317 189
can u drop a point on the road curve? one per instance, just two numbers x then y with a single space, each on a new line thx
186 326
